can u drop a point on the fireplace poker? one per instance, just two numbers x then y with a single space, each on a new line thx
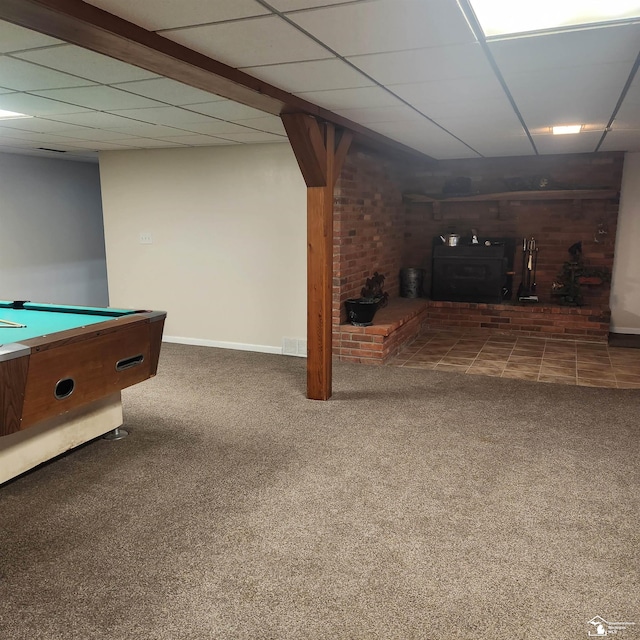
524 267
526 292
535 269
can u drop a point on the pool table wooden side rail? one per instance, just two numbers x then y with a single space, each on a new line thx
87 355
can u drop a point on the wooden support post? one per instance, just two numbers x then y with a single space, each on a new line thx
319 281
320 163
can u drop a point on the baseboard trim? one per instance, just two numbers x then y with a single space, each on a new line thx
628 330
237 346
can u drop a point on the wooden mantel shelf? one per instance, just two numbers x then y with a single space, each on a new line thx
542 194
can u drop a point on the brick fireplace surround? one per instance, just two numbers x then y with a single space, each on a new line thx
379 226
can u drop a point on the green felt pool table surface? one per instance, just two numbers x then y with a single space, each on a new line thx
45 319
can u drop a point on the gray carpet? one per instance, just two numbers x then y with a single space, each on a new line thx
413 504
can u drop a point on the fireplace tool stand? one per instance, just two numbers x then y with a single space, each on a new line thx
527 288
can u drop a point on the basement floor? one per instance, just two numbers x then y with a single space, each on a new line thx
536 359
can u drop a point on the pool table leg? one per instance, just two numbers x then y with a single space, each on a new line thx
116 434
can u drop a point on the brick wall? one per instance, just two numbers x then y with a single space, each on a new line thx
535 320
374 229
368 227
555 224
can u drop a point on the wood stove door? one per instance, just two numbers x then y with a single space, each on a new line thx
469 279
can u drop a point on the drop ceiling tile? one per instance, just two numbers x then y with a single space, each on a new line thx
428 139
168 91
272 124
626 119
8 141
428 94
226 110
135 129
15 38
215 127
170 116
502 146
38 124
50 146
20 147
131 143
35 105
166 14
24 76
400 113
254 137
386 25
86 64
195 140
435 64
352 98
99 98
621 128
314 75
580 143
582 48
628 140
98 145
73 155
89 133
568 96
251 42
17 134
444 152
94 119
496 109
630 106
490 135
296 5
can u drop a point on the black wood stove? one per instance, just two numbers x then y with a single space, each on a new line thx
468 272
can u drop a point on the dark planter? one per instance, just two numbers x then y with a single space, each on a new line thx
360 311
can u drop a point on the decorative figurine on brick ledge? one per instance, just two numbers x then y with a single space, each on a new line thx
360 311
574 275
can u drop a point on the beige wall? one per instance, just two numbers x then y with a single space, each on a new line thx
228 258
625 285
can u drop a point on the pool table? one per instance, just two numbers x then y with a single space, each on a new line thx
66 365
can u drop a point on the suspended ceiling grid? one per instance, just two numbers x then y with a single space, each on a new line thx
412 71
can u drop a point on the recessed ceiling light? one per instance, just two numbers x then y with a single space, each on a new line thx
501 17
10 115
564 129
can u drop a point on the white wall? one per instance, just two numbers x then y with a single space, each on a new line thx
51 235
228 258
625 282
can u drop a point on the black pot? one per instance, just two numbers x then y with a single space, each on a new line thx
360 311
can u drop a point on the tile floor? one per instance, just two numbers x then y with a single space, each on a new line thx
536 359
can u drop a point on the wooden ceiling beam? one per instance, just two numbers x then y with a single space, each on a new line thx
87 26
341 154
308 146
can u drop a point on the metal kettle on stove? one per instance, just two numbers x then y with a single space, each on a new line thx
451 239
